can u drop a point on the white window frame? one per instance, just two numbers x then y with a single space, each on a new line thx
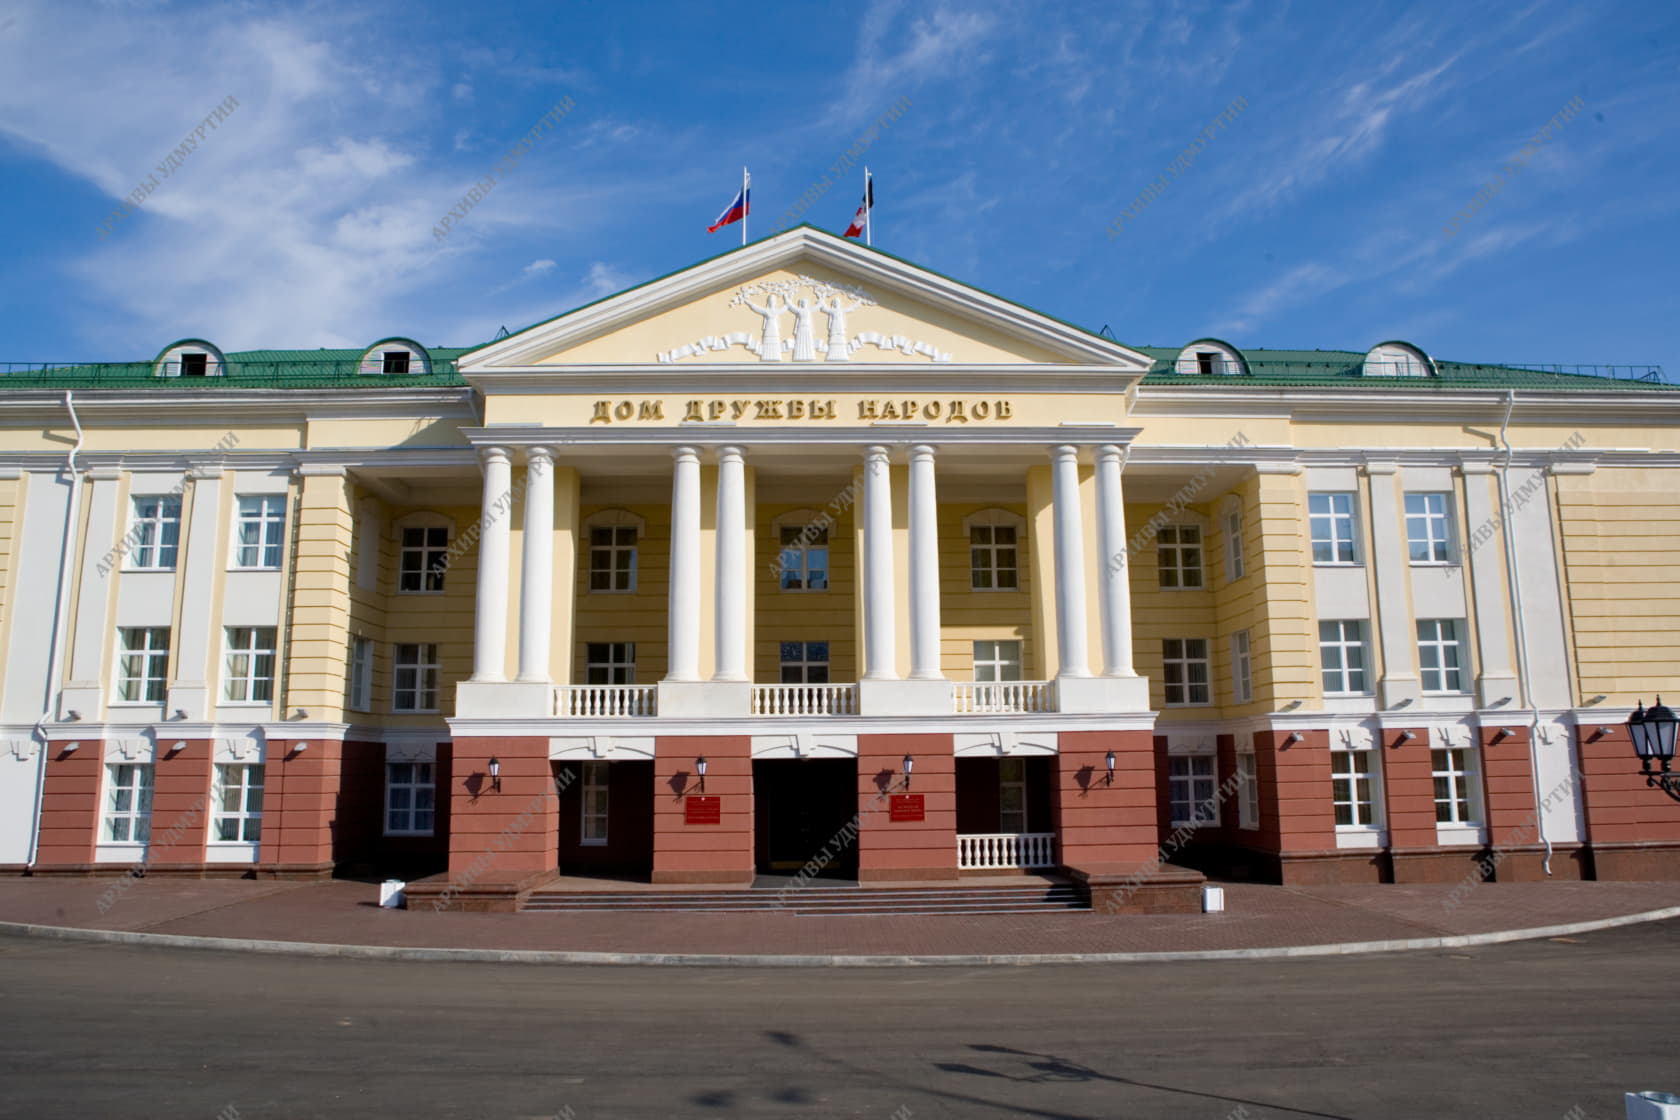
616 661
151 656
1012 777
156 534
1178 660
423 563
418 777
264 516
136 816
1248 790
240 661
1439 642
1236 564
603 558
1201 772
1458 785
360 698
1429 527
1335 527
1343 672
1180 555
595 783
420 659
985 571
247 821
809 669
1352 776
1242 668
997 660
797 546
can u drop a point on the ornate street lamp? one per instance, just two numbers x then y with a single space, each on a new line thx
1652 730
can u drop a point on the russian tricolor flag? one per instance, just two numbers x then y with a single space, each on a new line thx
736 211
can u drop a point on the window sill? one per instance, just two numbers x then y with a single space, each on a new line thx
265 568
245 704
612 591
408 835
137 703
1189 704
1434 563
592 843
1338 564
1181 589
995 590
153 571
419 591
416 711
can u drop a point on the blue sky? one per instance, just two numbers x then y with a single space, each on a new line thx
1315 219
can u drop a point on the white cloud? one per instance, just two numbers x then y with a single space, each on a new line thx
537 268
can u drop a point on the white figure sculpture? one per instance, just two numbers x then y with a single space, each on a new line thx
770 343
804 332
839 349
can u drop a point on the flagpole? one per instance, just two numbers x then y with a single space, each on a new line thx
746 204
868 210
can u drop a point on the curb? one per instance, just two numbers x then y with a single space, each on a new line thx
749 960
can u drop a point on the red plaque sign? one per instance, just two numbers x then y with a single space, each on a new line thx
906 807
702 810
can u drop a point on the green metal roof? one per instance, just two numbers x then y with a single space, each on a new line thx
245 369
1343 369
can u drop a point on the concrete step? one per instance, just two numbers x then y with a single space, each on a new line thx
1024 899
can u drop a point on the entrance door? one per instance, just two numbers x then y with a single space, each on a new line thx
800 805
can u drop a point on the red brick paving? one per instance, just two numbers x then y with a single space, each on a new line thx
342 912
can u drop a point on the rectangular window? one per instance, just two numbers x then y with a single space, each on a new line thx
128 803
1350 788
195 365
997 661
1190 787
1012 795
609 663
155 533
143 664
1235 565
1428 529
804 559
1242 669
1331 516
248 671
1341 647
804 662
1439 655
414 673
425 555
612 558
1458 798
410 798
396 361
239 802
1184 671
262 526
1248 791
594 803
992 558
361 674
1178 554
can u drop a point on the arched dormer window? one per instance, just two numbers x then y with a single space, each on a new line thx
395 356
614 535
190 357
423 552
1210 356
994 549
1397 359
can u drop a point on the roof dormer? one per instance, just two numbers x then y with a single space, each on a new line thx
1397 359
395 356
1210 356
190 357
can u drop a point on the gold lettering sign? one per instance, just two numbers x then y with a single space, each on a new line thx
806 409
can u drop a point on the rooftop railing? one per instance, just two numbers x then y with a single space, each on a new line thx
232 374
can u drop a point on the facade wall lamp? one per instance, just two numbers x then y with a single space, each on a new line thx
1653 731
909 768
495 768
700 769
1108 761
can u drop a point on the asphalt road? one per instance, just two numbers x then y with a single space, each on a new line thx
1538 1031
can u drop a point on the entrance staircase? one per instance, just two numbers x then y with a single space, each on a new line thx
1034 897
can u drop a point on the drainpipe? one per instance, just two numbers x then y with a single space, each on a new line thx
1521 630
65 548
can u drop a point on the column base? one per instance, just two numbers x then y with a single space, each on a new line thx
191 697
504 699
1496 692
706 699
1393 690
1101 695
906 698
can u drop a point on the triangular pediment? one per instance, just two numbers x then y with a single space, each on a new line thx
803 297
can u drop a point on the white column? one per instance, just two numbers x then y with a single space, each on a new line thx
536 591
879 624
1071 641
731 567
684 601
1114 597
490 624
924 567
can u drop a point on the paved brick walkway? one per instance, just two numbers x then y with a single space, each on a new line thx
346 913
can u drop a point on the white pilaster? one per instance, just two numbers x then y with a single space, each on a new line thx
85 691
1114 598
879 623
1390 559
731 573
202 552
1073 659
494 545
684 601
1497 683
924 567
536 592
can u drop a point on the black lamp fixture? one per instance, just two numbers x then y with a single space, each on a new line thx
1108 761
495 773
700 769
909 768
1652 730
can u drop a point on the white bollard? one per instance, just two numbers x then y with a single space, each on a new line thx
1652 1105
391 894
1213 900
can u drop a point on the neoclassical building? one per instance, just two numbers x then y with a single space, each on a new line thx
808 559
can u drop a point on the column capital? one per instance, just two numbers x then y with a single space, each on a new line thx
488 455
1110 452
923 451
685 452
539 453
731 453
1064 451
